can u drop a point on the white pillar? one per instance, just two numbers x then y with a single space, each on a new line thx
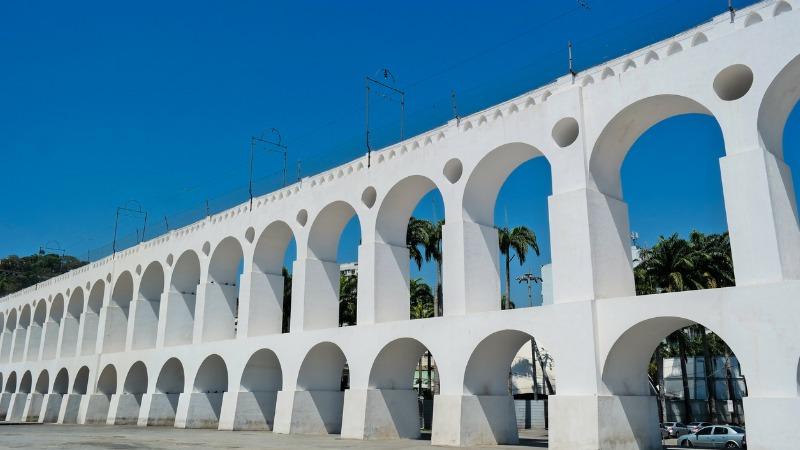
590 246
315 294
309 412
88 333
158 409
381 414
248 410
470 270
216 309
468 420
70 329
177 323
762 217
144 324
51 406
69 408
261 304
383 283
199 410
49 345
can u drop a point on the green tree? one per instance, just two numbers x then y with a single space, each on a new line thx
287 300
421 299
348 290
416 237
17 273
518 239
433 252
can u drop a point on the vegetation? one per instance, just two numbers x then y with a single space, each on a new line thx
424 241
518 239
674 264
17 273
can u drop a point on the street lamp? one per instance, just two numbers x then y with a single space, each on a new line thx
529 279
275 146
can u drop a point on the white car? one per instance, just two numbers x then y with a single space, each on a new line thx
676 429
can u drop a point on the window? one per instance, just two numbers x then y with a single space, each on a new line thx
720 430
705 431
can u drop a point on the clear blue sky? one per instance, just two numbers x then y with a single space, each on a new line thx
155 101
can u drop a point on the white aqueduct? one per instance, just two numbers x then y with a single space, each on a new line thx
150 335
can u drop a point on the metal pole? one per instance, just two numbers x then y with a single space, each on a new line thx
250 183
402 113
298 170
144 226
366 122
569 50
455 107
732 10
114 242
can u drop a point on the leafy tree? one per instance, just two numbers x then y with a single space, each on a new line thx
416 237
421 299
17 273
424 241
518 239
348 290
287 299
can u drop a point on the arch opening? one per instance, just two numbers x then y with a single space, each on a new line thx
71 324
117 313
506 366
182 299
35 330
164 402
258 392
26 383
674 238
21 332
271 281
148 305
323 378
210 383
331 266
409 228
91 318
52 328
658 367
81 384
11 383
406 375
99 403
133 389
222 291
61 383
42 383
507 242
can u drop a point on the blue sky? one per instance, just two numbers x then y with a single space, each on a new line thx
155 101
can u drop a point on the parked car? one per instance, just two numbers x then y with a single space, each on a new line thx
694 426
663 430
717 436
676 429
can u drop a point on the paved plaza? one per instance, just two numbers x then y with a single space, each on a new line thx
38 436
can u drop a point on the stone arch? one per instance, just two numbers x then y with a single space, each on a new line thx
267 281
777 104
91 318
390 251
392 380
11 383
205 403
107 381
486 387
321 378
222 291
624 373
182 299
145 322
42 385
261 381
322 269
117 313
480 259
21 333
99 403
26 383
169 386
136 380
71 323
130 400
8 335
61 383
171 378
34 328
625 128
53 328
80 384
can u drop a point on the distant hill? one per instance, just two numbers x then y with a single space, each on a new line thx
17 273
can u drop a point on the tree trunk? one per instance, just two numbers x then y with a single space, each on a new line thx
508 280
711 388
534 360
430 372
662 404
546 380
437 291
731 391
687 401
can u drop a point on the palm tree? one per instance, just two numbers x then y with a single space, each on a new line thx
421 299
433 251
517 239
287 299
416 237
